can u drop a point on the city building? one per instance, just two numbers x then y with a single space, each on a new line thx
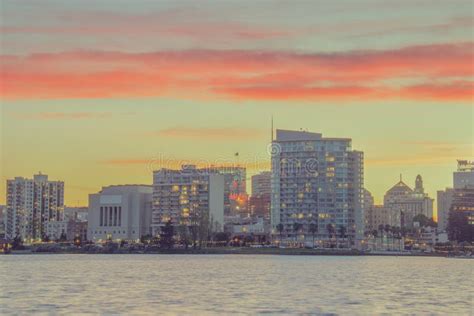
235 188
464 176
31 204
406 202
261 183
368 210
76 213
260 201
55 230
463 201
120 212
316 182
444 200
188 196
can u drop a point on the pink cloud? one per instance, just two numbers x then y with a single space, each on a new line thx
442 73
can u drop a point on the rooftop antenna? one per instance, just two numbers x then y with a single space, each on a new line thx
400 177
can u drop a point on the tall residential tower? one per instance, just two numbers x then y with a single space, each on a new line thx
318 182
31 204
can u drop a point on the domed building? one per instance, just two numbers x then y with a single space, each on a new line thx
405 203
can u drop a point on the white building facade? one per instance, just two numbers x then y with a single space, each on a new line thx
404 202
31 204
317 181
120 212
183 196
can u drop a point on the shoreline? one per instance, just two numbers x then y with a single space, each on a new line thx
237 251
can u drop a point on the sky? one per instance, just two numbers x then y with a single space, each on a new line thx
96 93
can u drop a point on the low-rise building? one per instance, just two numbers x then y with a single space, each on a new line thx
55 230
120 212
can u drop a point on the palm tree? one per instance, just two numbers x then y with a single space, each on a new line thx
381 230
280 227
296 229
313 229
342 233
387 229
330 229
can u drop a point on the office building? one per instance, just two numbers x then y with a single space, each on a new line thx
318 181
187 196
120 212
31 204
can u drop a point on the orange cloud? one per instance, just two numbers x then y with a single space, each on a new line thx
440 72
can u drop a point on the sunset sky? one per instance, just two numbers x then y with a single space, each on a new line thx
102 92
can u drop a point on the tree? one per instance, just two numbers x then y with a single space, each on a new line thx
313 229
63 237
331 230
146 239
424 221
17 243
296 229
183 234
222 237
381 230
388 230
166 236
342 232
458 228
280 227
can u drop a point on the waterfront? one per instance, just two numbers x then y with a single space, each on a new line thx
220 284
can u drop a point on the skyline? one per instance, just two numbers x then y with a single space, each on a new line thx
99 103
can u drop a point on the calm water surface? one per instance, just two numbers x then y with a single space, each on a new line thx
223 284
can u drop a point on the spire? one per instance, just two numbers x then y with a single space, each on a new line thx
400 177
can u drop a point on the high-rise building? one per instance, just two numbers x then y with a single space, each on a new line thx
31 204
183 196
120 212
407 203
317 181
464 176
463 194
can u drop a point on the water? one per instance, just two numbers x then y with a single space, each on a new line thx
222 284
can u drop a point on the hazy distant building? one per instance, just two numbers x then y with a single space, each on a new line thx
31 204
55 230
444 200
76 213
406 202
368 210
261 183
316 180
260 201
183 196
120 212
